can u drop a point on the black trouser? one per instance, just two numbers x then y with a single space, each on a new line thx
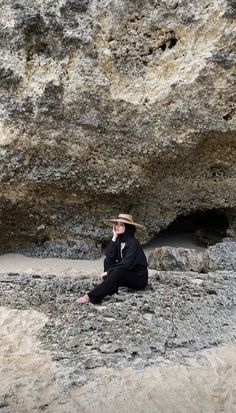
116 278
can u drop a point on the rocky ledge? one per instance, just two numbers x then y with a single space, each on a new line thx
111 107
178 314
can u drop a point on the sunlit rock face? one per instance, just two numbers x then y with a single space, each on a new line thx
114 106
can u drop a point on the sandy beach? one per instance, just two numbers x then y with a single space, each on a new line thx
32 381
207 385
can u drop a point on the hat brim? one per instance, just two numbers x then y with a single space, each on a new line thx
123 221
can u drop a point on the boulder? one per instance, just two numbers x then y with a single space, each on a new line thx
221 256
175 259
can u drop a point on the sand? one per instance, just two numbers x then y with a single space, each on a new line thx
56 266
26 371
30 379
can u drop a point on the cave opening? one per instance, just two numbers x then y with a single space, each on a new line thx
199 229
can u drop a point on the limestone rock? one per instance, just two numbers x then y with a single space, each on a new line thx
175 259
113 107
220 257
172 319
78 249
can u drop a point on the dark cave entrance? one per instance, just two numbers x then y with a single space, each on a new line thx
197 229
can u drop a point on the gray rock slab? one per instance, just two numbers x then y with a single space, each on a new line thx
173 318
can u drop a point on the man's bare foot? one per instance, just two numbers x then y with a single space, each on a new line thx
83 300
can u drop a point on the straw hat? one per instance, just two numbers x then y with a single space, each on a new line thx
125 219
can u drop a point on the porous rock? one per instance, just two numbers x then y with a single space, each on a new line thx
221 256
175 259
114 106
76 249
178 314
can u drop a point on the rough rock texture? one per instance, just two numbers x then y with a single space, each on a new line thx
114 106
175 259
177 315
208 378
221 256
71 249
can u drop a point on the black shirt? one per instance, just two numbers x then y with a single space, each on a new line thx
133 257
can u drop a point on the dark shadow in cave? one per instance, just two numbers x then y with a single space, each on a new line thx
199 229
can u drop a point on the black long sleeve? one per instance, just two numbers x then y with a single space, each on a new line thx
133 256
111 250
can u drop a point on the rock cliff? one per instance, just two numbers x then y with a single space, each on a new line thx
113 106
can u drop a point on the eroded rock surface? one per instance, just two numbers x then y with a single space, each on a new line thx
179 314
221 256
175 259
208 379
114 106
